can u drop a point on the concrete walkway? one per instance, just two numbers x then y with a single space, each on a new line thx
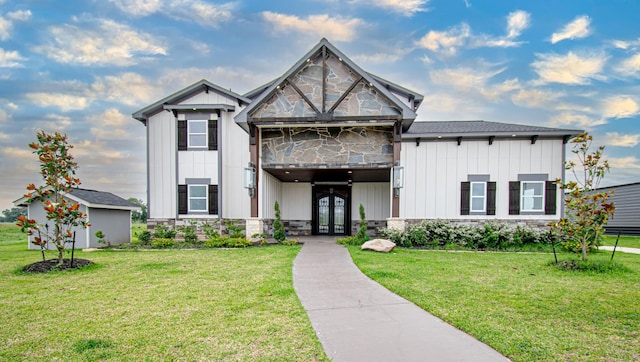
621 249
356 319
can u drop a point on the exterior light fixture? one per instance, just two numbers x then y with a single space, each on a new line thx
249 179
398 178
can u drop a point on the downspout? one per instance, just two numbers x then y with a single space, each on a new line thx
564 171
220 164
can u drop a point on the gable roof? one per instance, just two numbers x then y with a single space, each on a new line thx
454 129
95 199
171 101
264 93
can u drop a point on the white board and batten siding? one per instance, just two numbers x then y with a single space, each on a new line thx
234 146
434 171
294 198
375 198
161 136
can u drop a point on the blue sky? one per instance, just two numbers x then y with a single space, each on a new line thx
83 66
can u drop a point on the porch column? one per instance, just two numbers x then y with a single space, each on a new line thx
254 150
397 145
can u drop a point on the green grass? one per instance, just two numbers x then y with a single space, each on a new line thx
236 304
625 241
518 304
135 230
10 234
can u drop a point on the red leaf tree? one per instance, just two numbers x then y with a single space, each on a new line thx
58 169
587 211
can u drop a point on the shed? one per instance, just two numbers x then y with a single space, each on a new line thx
626 218
105 211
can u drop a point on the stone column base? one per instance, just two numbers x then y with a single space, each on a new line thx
396 223
254 226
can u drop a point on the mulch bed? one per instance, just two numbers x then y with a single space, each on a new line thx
51 265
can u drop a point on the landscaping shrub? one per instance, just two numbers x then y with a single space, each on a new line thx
189 232
227 242
441 234
164 232
162 243
144 237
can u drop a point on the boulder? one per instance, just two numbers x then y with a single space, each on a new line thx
382 245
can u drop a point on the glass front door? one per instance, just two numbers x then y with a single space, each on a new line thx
331 214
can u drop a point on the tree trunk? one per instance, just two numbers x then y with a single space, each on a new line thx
584 248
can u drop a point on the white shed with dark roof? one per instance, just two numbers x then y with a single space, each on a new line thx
106 211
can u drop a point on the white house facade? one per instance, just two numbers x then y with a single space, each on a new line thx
326 137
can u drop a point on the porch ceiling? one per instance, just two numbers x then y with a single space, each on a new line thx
330 175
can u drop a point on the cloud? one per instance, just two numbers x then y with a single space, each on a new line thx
20 15
535 98
138 7
474 81
5 28
202 12
3 115
568 69
16 152
566 119
447 41
624 163
337 28
10 59
403 7
65 102
100 42
127 88
517 21
621 140
630 66
620 107
578 28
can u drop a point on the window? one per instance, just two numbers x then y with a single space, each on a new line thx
197 134
198 198
478 196
532 196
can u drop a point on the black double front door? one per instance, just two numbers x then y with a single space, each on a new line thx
331 211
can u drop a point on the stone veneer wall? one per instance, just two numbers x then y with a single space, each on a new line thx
372 226
327 147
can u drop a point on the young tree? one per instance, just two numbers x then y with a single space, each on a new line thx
57 168
278 229
587 211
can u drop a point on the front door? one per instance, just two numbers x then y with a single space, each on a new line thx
331 211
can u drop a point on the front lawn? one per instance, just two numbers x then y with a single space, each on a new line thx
625 241
518 304
223 304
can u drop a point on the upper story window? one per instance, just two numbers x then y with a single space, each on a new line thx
478 196
532 196
197 134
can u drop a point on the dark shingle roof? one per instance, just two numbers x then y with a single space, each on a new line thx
481 129
93 197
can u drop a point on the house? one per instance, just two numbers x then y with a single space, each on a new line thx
626 218
327 136
105 211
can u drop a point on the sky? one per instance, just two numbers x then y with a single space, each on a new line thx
82 67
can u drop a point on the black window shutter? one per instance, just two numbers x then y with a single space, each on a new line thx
550 198
465 197
182 135
213 199
213 135
491 198
182 199
514 197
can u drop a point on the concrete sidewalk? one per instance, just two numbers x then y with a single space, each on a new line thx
621 249
356 319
